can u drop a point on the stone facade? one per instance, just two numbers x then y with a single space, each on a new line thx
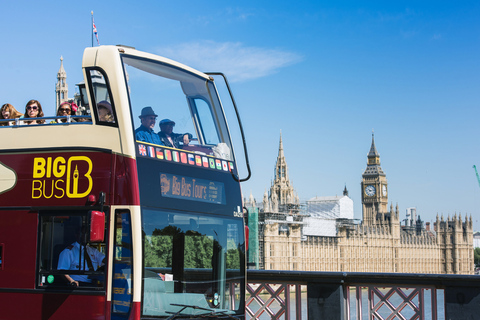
378 244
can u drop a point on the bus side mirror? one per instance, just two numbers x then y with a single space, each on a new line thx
97 226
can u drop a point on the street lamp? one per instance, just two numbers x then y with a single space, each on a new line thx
99 86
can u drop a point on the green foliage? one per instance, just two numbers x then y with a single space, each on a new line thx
198 252
233 258
159 247
158 251
476 256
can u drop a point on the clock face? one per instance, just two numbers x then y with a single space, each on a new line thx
384 190
370 190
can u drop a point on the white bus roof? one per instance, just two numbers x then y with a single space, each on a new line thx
90 54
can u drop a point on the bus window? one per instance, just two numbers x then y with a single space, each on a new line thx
104 113
122 294
1 256
207 128
62 238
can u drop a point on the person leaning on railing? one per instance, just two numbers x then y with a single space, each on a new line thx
171 139
7 111
145 132
65 109
33 109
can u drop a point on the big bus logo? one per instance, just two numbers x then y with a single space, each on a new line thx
57 177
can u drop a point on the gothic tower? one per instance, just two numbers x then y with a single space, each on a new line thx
374 190
345 191
282 194
61 90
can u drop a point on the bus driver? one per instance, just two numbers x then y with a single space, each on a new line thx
69 260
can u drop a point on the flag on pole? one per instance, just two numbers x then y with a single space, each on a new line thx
95 30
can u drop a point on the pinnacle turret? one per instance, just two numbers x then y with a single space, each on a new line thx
282 189
373 150
61 88
280 146
373 161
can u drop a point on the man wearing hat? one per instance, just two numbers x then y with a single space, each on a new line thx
145 131
171 139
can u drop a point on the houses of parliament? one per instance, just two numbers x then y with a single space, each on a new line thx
322 235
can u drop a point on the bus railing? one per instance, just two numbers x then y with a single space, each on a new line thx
53 120
341 295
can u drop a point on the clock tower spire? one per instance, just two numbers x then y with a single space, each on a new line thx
374 189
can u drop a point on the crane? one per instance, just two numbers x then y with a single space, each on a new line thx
478 177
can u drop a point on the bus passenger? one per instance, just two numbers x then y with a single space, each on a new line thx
171 139
145 131
105 112
7 111
65 109
69 260
33 109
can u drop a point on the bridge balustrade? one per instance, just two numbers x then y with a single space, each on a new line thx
343 295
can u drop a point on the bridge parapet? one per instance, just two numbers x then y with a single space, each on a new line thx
340 295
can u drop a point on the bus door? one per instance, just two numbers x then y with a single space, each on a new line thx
122 279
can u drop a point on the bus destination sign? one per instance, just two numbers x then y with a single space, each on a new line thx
187 188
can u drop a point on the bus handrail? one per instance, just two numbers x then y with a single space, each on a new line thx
16 122
239 123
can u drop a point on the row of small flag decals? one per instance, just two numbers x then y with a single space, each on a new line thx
184 157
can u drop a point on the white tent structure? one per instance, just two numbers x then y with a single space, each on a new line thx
323 214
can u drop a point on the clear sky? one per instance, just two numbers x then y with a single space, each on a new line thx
324 73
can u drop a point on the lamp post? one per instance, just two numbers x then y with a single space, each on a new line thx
100 91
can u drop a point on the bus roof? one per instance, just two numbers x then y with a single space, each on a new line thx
91 53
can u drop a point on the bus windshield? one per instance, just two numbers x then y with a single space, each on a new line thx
191 260
184 100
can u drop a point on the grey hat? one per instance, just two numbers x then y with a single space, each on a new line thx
105 104
147 111
167 121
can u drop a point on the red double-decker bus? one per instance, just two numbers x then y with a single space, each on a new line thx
101 219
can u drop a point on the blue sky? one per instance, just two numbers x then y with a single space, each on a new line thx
324 73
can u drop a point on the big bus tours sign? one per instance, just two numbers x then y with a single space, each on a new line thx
188 188
54 178
59 177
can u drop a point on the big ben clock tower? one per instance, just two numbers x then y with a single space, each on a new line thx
374 190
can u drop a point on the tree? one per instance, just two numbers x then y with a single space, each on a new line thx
476 256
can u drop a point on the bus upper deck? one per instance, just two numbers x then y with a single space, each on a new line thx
128 81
